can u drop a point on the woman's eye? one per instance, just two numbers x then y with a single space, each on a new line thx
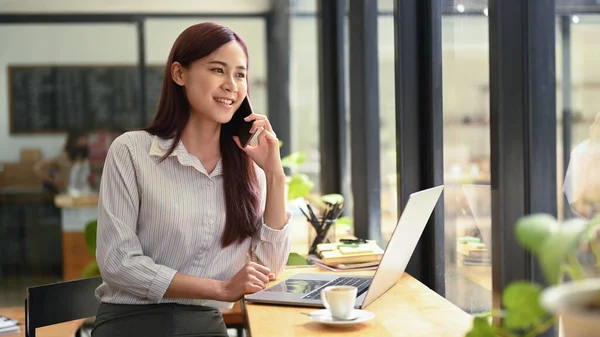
241 75
218 70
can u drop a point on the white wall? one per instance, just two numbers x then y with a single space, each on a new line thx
68 44
56 44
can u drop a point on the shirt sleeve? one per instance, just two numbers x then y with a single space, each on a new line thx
271 247
119 253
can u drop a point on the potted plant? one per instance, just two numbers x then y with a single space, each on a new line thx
569 256
299 187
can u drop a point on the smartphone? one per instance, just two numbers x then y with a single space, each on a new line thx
241 127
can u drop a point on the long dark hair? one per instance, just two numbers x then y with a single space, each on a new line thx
73 150
242 191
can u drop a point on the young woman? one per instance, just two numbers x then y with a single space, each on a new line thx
189 221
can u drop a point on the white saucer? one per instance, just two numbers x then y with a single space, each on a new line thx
324 316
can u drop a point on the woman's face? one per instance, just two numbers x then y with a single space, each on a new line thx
216 84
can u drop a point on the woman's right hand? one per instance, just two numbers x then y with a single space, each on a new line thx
250 279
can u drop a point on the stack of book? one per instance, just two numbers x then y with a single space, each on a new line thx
473 252
341 256
8 326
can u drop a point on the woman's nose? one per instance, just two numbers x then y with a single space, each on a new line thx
229 84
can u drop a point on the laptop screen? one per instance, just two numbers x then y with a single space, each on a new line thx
297 286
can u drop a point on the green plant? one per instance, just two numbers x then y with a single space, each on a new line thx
300 186
91 269
555 246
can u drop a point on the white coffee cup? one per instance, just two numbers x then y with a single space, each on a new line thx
339 300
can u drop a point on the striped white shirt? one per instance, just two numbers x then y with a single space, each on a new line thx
158 218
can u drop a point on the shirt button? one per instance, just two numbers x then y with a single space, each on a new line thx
210 221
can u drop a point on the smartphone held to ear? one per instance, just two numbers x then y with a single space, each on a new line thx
241 127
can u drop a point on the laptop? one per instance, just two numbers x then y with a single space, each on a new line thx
304 289
479 200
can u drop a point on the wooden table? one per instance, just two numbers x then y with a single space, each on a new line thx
67 329
408 309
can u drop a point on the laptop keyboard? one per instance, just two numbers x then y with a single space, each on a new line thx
360 283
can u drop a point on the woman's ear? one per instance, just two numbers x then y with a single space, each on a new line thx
178 73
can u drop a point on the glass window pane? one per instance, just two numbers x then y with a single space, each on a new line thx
578 95
304 94
387 120
304 110
467 195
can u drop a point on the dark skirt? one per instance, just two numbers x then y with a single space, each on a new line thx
158 320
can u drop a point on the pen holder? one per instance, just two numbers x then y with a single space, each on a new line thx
325 233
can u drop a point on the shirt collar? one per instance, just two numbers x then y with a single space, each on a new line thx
160 146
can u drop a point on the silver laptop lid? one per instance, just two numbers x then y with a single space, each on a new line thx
404 239
479 199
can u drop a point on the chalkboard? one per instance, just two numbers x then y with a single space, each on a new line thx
47 99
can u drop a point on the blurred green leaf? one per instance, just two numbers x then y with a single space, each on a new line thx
550 241
521 300
293 160
91 270
593 229
554 245
555 249
91 229
532 230
299 186
482 328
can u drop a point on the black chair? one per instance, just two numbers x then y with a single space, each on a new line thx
60 302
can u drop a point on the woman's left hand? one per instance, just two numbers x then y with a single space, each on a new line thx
266 154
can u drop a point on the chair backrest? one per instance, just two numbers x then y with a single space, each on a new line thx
60 302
